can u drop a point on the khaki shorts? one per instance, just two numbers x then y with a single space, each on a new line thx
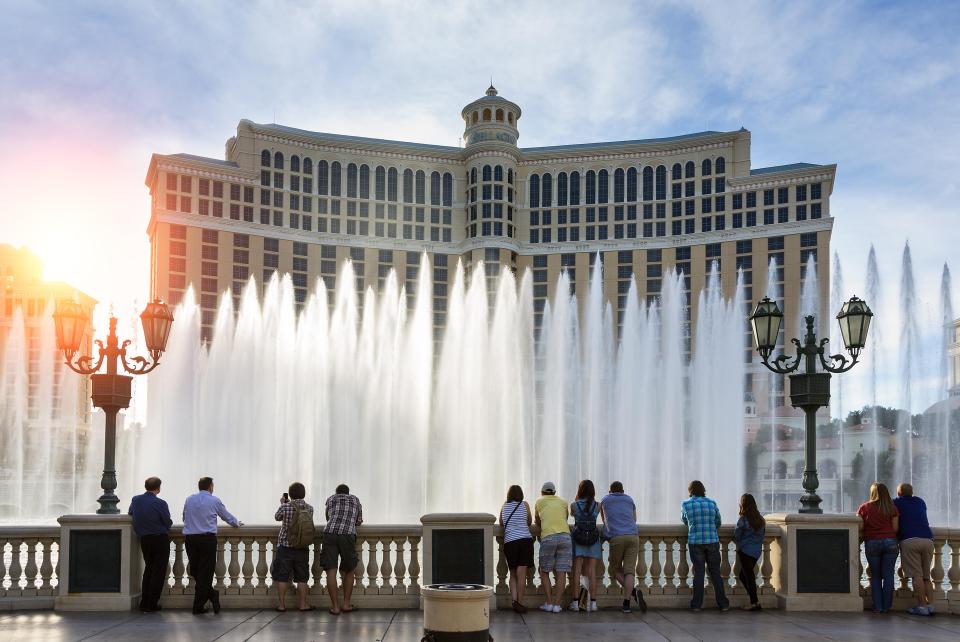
624 550
916 555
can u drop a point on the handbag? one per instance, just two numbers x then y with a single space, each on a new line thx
585 532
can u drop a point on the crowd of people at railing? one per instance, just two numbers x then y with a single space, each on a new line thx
891 528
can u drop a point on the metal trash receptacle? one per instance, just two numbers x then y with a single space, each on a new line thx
456 612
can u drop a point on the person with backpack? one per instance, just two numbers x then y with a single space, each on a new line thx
515 517
586 545
292 553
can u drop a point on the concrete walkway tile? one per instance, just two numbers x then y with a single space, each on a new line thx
320 630
737 626
871 625
671 631
413 632
152 631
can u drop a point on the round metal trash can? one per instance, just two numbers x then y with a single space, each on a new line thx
456 612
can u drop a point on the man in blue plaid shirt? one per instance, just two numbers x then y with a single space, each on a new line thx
702 518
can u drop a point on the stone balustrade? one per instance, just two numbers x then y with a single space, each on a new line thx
390 557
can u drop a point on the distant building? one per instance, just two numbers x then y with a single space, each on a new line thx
44 407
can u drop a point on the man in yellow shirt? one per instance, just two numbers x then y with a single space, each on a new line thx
556 547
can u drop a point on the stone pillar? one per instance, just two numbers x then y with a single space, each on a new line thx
816 562
458 548
100 564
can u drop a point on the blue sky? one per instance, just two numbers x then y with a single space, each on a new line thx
89 89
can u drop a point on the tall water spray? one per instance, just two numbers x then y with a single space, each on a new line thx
874 344
910 358
837 297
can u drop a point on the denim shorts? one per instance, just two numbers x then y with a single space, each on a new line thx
290 561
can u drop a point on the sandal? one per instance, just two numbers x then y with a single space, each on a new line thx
309 608
332 612
280 610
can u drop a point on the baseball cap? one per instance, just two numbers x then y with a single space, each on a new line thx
548 487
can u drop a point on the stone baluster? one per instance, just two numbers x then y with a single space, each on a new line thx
262 567
386 566
735 572
642 565
400 567
954 573
669 567
247 568
903 589
31 570
220 568
3 566
725 563
532 587
16 569
683 568
604 583
766 568
233 570
936 573
372 566
56 566
414 564
46 567
178 567
502 569
359 572
655 566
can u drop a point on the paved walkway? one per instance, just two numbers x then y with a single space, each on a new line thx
390 626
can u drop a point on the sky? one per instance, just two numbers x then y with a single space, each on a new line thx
88 90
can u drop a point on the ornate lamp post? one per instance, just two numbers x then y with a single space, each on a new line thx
810 390
111 391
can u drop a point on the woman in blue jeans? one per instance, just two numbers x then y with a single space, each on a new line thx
880 522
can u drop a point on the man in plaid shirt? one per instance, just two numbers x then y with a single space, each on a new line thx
344 514
289 561
702 518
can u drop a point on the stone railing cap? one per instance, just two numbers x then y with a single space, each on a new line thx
458 518
812 518
93 518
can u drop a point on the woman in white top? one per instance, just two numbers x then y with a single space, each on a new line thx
515 517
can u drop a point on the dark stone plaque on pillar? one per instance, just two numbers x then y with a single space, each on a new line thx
458 556
823 561
95 561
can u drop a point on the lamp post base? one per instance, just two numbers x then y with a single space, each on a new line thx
108 504
810 503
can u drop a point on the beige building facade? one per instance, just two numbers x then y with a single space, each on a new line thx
953 354
303 202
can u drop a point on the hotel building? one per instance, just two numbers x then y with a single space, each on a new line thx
303 202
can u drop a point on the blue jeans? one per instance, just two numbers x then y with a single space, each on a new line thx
706 555
881 556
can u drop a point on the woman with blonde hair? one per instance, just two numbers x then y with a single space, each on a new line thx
880 523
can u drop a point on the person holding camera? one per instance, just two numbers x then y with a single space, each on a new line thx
291 558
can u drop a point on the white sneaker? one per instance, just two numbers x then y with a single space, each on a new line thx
575 605
931 608
593 605
556 608
548 608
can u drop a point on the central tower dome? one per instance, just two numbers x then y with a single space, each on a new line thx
491 118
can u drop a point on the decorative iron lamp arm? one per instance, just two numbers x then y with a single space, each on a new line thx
82 364
783 364
837 362
138 365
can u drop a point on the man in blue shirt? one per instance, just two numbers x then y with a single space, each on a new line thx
619 515
702 518
200 513
151 523
916 547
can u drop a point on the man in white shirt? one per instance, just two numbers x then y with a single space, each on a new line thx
200 512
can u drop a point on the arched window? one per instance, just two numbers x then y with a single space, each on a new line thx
661 182
705 167
448 189
690 170
323 178
500 115
421 186
591 187
380 183
278 161
364 181
780 469
721 166
294 163
618 185
498 173
473 176
677 172
475 118
265 158
334 178
307 166
574 188
632 184
352 180
534 190
392 184
510 175
562 189
408 186
648 183
603 186
486 173
510 117
486 114
547 200
435 188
